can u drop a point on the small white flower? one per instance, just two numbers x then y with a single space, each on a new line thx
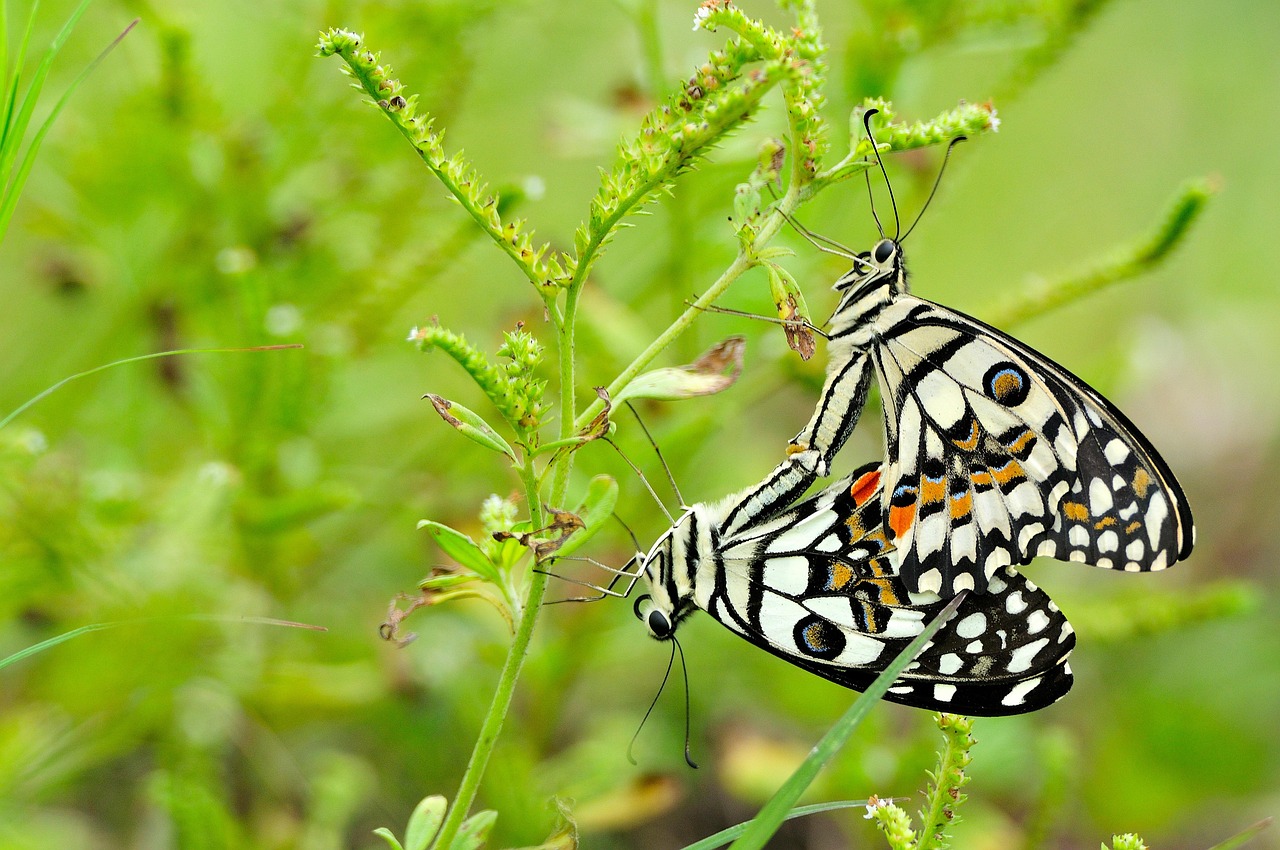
874 803
700 16
994 122
413 334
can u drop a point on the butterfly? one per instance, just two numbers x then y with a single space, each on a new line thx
995 453
816 584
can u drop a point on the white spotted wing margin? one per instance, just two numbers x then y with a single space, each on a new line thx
996 454
817 587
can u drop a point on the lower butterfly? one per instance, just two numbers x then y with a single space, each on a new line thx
816 584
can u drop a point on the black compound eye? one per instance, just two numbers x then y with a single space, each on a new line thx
659 624
884 251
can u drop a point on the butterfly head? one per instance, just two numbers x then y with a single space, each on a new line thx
669 601
877 277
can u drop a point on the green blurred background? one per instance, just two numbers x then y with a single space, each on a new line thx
215 185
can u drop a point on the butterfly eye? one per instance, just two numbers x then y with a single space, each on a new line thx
884 251
659 625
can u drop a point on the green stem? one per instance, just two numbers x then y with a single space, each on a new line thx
501 704
568 401
945 796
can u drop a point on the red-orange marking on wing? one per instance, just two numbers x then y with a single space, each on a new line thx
900 519
864 487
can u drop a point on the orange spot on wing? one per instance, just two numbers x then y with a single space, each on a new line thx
840 576
1132 527
961 505
864 487
1141 481
980 478
971 442
1011 471
900 519
885 593
1020 443
932 491
1006 385
1105 522
1075 511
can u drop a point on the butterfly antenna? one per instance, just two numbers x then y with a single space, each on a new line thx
643 479
823 243
872 198
670 478
937 181
671 663
684 670
875 149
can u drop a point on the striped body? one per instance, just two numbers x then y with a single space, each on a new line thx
995 453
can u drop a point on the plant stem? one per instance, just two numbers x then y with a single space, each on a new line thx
568 401
516 654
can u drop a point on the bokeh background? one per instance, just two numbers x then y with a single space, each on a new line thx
215 185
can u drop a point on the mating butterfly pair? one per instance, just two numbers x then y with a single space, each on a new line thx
994 455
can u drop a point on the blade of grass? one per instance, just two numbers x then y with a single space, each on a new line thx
724 836
50 390
4 56
18 128
1243 837
98 627
761 828
14 80
14 190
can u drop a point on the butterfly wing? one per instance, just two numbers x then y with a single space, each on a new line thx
998 454
819 589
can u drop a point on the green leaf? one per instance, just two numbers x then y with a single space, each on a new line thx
596 508
462 549
475 831
388 836
425 822
716 370
470 425
761 828
724 836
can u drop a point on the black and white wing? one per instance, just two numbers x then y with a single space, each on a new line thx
818 588
996 454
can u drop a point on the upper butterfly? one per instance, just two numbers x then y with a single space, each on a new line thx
995 453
